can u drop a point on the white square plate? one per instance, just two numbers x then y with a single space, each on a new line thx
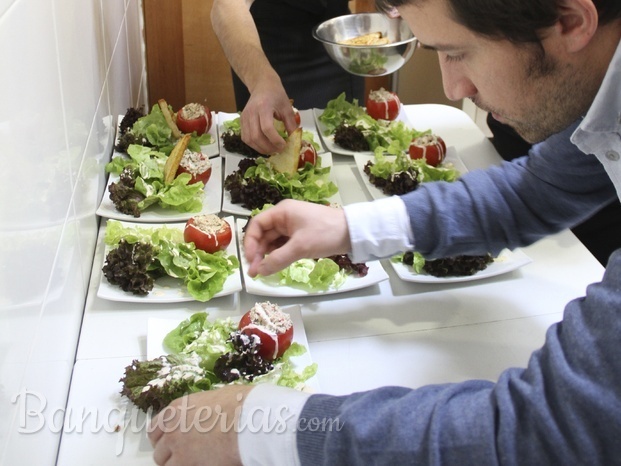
376 193
231 163
256 286
507 261
212 202
167 289
159 328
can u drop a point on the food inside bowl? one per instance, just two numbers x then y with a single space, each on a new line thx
372 38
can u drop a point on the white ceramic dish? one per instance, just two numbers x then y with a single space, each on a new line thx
159 328
507 261
307 122
168 289
362 159
256 286
231 163
212 202
328 139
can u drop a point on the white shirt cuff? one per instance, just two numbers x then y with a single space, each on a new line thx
267 426
378 229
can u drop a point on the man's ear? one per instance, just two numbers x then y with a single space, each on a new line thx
577 23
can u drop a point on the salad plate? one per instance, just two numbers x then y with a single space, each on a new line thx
376 274
376 193
212 202
231 163
506 261
328 139
167 289
157 329
307 123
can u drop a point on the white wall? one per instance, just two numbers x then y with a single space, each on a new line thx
67 67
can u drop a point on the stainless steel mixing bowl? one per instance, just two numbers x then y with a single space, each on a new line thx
367 60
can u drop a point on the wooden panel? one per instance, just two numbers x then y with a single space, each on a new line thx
362 6
207 71
165 58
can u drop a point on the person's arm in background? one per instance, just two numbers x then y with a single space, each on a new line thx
238 35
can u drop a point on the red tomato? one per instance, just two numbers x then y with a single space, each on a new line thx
204 176
273 342
197 165
429 147
383 104
194 117
298 118
208 232
307 154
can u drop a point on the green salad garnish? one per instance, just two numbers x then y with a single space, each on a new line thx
200 351
154 130
141 184
384 167
255 183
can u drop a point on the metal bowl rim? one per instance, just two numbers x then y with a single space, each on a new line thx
328 41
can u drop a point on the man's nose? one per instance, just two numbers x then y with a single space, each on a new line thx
456 85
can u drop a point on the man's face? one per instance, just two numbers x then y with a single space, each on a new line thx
536 94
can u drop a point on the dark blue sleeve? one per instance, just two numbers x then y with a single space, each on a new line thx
512 205
564 408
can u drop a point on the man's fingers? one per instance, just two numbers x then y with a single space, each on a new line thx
260 252
161 454
278 259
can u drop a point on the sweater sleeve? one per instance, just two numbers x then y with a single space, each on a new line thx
564 408
511 205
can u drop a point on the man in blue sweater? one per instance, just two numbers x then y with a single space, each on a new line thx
552 70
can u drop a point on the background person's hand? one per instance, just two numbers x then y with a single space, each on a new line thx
200 428
268 100
294 230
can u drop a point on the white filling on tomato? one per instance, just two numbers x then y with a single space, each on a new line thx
192 111
195 162
270 317
382 96
209 224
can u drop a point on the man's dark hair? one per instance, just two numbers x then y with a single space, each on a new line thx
514 20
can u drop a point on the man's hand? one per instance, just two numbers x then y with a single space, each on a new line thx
268 100
293 230
200 428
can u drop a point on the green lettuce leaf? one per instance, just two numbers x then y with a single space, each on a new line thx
310 184
149 164
155 129
384 168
